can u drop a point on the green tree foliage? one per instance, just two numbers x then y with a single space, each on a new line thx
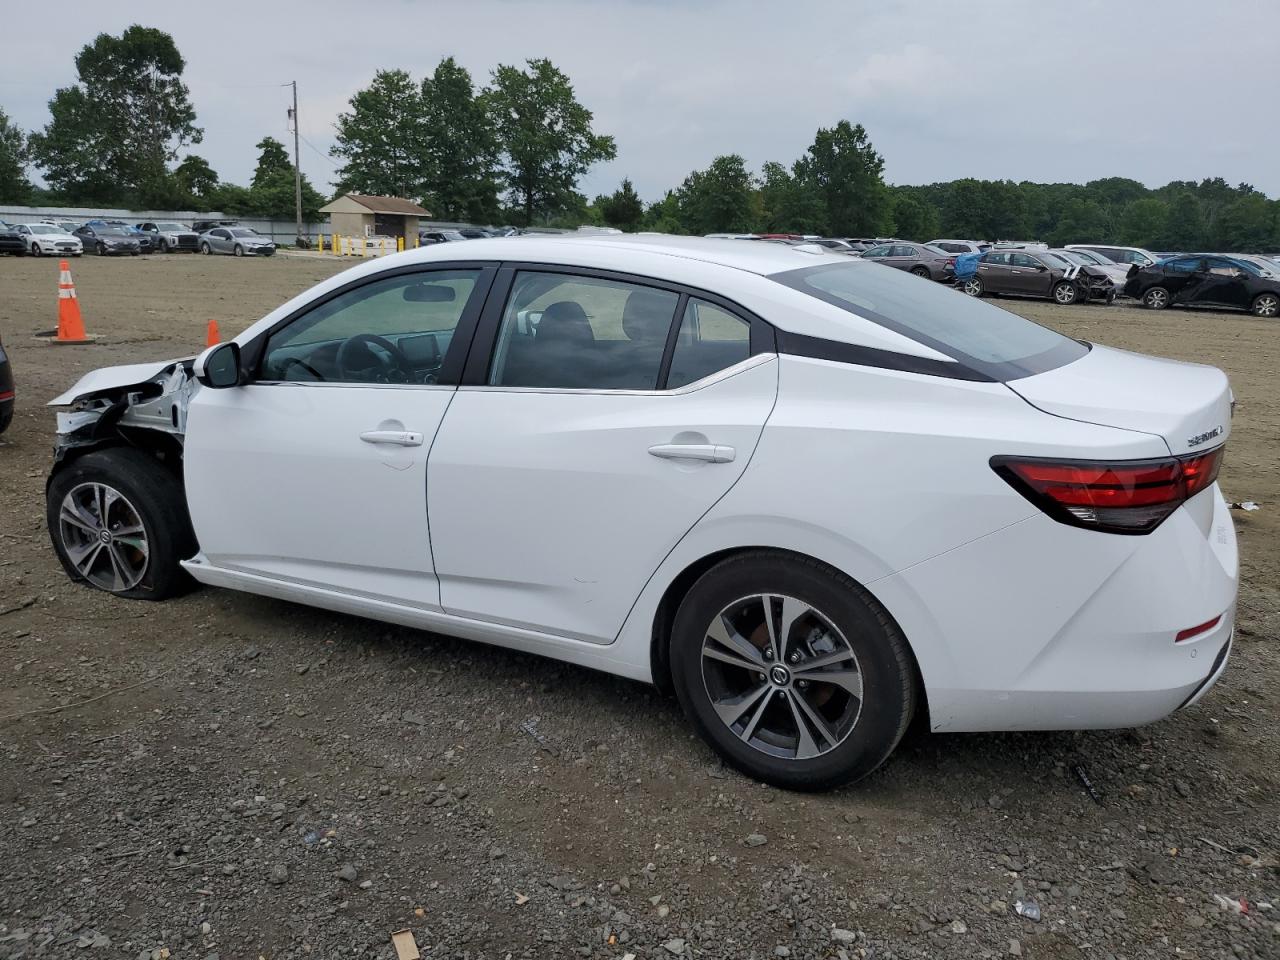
913 218
720 199
786 204
847 175
1143 221
663 216
272 159
1184 226
622 209
271 193
196 178
1248 223
114 131
1081 221
547 136
462 151
382 139
14 185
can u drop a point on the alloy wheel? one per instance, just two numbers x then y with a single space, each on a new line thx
973 287
36 251
1156 299
1064 293
103 535
1267 305
781 676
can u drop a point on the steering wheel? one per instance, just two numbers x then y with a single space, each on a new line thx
291 362
353 347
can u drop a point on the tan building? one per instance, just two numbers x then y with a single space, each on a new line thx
357 215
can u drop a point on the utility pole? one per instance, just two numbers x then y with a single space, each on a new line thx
297 170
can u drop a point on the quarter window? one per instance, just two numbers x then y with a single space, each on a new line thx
394 330
710 339
564 331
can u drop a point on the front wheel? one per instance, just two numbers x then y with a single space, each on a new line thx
102 250
973 287
238 251
791 671
36 251
1157 298
164 246
1065 293
1266 305
118 521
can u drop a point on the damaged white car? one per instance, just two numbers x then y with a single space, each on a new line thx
809 495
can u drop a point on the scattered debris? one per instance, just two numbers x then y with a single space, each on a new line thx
1245 505
1027 908
1085 782
530 727
406 946
1231 904
674 945
756 840
521 899
958 926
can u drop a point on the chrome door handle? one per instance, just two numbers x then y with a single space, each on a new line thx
402 438
708 452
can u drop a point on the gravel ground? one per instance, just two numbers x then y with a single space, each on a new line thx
235 777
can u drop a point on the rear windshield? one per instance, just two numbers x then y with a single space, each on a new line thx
982 337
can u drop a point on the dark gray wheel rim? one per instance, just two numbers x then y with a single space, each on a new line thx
1266 305
973 288
781 676
1064 293
1157 299
104 537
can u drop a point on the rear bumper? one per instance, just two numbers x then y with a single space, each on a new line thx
1041 626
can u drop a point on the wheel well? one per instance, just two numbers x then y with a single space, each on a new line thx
665 616
164 447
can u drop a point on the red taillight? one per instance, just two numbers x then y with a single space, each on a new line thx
1195 631
1125 496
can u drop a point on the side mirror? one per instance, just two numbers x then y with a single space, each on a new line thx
219 366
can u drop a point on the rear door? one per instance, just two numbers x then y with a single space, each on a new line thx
600 416
994 270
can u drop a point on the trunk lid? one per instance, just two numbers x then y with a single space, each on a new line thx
1186 404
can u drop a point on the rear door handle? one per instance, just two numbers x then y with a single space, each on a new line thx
402 438
708 452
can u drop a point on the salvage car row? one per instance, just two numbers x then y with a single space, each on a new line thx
119 238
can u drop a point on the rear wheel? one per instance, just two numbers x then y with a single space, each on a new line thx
973 287
206 249
922 272
1065 293
1157 298
1266 305
791 671
118 521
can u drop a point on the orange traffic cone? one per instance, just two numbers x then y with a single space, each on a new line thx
211 337
70 324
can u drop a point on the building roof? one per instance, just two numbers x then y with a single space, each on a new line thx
376 205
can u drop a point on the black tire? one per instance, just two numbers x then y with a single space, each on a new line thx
164 246
102 250
1156 298
1065 293
134 253
206 249
884 660
36 251
922 272
6 416
237 250
157 498
1266 306
972 286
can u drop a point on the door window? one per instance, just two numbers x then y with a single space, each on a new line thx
1023 260
999 259
564 331
876 252
394 330
902 250
710 339
1182 265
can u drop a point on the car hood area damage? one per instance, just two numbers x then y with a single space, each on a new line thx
115 401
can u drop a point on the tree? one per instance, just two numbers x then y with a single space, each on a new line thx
382 139
1081 222
124 120
622 209
787 205
663 216
461 175
546 133
196 178
14 185
272 158
1247 224
1185 227
848 175
719 199
914 219
1143 222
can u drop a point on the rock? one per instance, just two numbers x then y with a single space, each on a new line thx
205 928
782 951
303 668
1015 948
840 935
346 872
279 874
663 910
674 945
958 926
1183 788
756 840
365 884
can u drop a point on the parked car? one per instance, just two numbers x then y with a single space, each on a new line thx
144 239
43 238
204 226
109 241
237 241
168 236
1123 255
835 246
918 258
11 241
1037 273
474 233
68 226
1206 280
1019 245
844 496
428 237
960 246
1266 264
1114 272
7 392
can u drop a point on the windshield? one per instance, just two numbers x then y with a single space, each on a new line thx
42 228
111 231
986 339
171 227
1052 260
1076 257
1261 265
244 232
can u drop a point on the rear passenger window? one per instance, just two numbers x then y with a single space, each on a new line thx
564 331
710 339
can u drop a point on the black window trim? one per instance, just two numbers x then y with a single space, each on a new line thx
253 353
475 372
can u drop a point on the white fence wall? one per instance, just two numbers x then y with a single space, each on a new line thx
281 231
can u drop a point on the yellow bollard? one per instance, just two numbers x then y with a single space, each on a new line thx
363 250
399 244
319 243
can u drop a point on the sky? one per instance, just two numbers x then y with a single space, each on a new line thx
994 89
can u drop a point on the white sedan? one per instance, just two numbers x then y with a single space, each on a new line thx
811 496
49 239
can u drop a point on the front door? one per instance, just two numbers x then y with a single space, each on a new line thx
994 272
315 470
594 438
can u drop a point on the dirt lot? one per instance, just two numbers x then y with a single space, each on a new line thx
230 776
